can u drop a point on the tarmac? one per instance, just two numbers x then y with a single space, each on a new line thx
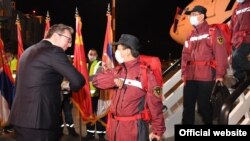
11 137
77 122
5 136
76 117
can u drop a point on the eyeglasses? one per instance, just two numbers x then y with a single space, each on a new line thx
69 39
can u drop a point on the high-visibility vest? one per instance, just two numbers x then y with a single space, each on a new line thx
92 71
13 64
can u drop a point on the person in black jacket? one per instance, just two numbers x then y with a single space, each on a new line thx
36 109
67 106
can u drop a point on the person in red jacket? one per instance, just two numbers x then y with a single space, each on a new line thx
131 105
241 40
202 64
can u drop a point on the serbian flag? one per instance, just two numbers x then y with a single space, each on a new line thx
6 87
47 24
82 98
177 17
19 40
107 56
104 100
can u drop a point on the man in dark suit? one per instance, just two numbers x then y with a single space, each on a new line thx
36 109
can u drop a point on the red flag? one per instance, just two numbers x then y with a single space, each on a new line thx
47 24
19 40
107 56
82 98
107 62
6 88
177 17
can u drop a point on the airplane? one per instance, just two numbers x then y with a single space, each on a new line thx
218 11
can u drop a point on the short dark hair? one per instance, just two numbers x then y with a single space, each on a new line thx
59 28
135 53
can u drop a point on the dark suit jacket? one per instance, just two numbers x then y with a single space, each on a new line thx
40 73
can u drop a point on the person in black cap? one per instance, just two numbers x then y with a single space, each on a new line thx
202 64
197 15
131 105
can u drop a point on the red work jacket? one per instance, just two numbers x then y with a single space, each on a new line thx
239 24
198 54
129 101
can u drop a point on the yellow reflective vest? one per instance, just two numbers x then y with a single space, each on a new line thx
92 71
13 65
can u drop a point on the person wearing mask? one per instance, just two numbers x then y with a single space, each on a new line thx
94 66
240 28
132 108
202 64
11 55
12 61
35 113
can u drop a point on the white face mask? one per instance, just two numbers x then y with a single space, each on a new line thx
240 1
194 20
118 57
92 58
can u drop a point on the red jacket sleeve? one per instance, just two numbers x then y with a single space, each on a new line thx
104 80
220 53
154 103
185 57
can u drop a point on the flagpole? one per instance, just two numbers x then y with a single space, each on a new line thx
47 24
113 18
80 120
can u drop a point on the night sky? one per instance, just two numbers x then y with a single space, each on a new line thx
149 20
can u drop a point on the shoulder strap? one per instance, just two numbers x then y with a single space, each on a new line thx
212 33
145 112
143 70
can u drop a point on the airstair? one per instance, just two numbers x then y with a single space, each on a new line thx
235 110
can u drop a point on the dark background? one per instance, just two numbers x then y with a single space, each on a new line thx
149 20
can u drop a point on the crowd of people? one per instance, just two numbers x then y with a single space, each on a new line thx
46 79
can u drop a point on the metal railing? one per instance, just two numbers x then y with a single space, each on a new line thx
175 64
235 109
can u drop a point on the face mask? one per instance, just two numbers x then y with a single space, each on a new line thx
92 58
240 1
194 20
118 57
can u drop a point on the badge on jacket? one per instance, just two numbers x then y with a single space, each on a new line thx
157 91
220 40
